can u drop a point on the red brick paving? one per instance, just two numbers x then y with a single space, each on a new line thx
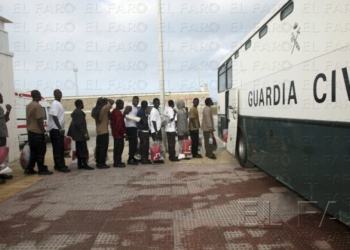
173 206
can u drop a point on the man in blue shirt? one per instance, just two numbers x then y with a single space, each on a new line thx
143 133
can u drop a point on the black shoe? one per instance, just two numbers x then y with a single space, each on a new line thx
55 167
45 172
5 176
80 167
132 162
119 165
145 162
30 171
174 159
87 167
104 166
159 162
2 181
212 157
198 156
63 170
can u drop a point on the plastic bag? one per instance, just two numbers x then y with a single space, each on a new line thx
225 135
67 145
4 153
186 147
155 152
25 156
200 143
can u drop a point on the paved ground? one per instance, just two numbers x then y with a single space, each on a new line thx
194 204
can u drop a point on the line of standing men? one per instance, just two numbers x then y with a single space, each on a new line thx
130 129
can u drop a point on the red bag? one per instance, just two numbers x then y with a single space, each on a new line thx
186 147
4 152
155 152
67 144
225 135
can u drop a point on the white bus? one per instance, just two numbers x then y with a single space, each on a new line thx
22 99
284 95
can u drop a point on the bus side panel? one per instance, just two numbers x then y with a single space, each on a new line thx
309 157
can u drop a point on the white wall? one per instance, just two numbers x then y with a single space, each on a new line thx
7 89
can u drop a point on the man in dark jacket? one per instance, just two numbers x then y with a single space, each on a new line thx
79 133
119 133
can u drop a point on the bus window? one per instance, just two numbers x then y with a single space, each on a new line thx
263 31
229 75
222 78
248 44
287 10
236 54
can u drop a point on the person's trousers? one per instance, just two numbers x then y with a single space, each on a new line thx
81 151
37 146
195 140
171 144
131 132
102 142
3 141
118 150
208 147
144 144
57 141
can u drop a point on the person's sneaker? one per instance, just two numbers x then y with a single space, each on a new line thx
104 166
159 162
30 171
2 181
145 161
132 162
45 172
212 157
87 167
119 165
63 170
174 159
198 156
6 177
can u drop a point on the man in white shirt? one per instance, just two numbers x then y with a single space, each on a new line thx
156 122
171 130
55 126
131 130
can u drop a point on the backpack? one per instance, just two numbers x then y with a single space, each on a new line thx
94 113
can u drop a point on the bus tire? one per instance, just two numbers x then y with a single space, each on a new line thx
242 150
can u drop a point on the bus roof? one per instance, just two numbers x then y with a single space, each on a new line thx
261 24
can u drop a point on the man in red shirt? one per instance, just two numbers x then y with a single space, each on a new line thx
119 133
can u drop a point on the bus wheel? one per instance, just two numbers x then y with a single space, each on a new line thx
242 153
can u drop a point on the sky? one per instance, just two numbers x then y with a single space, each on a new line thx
113 44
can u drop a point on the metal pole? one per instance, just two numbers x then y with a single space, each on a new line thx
160 57
161 67
76 81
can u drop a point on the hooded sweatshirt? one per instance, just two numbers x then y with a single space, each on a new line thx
182 122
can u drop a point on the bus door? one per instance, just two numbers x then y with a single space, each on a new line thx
232 117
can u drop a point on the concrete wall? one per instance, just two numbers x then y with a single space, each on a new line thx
7 89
